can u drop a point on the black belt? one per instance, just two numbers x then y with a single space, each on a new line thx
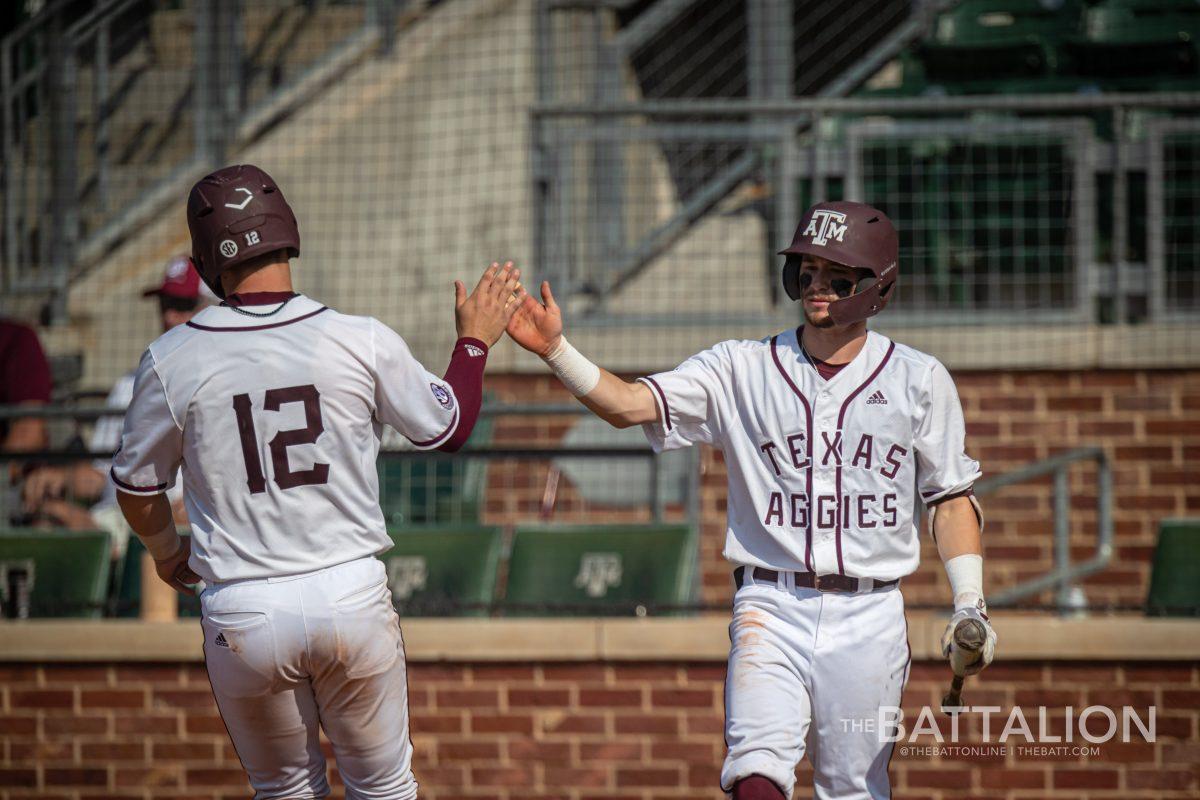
811 580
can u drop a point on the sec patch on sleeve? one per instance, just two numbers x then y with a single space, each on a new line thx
442 396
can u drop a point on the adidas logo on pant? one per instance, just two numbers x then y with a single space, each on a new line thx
220 640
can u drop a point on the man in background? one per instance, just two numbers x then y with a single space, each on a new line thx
52 495
24 381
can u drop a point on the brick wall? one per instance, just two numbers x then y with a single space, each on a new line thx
580 731
1147 421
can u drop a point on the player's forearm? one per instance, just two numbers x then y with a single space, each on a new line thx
956 529
960 544
617 402
620 403
465 376
151 519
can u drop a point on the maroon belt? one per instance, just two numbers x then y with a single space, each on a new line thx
811 580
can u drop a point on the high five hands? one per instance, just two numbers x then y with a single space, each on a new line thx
537 326
484 313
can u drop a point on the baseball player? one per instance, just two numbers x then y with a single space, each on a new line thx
828 431
273 405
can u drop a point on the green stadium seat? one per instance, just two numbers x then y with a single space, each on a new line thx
443 570
129 585
604 571
418 490
993 39
1175 574
1127 40
69 571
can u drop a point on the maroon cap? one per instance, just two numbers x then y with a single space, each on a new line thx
179 280
858 236
236 214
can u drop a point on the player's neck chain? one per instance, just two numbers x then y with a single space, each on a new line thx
258 314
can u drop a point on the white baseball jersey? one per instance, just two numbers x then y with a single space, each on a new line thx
822 473
276 421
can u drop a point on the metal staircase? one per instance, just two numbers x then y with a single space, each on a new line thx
110 111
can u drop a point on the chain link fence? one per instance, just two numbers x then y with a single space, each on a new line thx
648 158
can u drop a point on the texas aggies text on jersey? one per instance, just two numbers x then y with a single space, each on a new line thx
278 442
822 472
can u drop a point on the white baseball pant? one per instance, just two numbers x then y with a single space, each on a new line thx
807 671
289 655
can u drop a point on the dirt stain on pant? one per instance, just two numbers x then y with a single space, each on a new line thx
749 626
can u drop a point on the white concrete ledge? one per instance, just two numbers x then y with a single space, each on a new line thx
1022 637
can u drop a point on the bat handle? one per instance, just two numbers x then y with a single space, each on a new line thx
953 698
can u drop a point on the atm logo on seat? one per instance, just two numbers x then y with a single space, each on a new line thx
598 572
826 225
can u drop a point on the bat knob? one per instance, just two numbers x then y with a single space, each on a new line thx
952 704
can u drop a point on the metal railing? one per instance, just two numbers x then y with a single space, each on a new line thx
1008 206
432 478
761 49
1065 575
99 134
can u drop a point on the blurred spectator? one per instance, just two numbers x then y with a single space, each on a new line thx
24 380
52 494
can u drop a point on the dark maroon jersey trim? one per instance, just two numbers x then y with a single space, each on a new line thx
838 474
257 327
808 447
131 488
967 492
662 396
437 439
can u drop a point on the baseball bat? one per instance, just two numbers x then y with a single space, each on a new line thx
969 636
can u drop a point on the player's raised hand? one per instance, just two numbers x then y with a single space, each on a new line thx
484 313
537 326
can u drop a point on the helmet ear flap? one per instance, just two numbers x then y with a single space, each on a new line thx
791 277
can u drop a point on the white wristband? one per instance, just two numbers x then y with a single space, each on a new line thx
966 579
578 374
164 544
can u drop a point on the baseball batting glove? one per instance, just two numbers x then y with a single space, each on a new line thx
966 661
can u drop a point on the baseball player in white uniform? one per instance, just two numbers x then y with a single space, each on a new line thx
273 404
829 432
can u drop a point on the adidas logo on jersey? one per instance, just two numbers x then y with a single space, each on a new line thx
877 399
220 640
474 351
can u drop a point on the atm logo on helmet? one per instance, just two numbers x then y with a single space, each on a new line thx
826 225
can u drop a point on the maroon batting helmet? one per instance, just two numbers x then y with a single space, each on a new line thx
235 214
858 236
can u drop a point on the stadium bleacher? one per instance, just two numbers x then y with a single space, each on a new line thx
45 573
599 570
1175 575
444 570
